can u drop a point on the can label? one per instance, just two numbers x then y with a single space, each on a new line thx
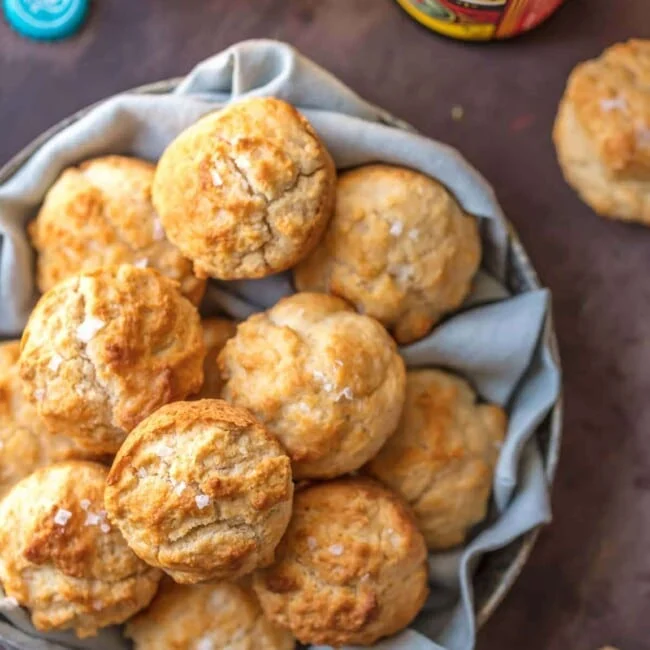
480 19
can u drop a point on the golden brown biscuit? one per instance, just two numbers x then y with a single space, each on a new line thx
223 616
100 214
216 331
61 559
327 382
201 490
351 569
25 442
104 349
246 191
399 248
602 132
441 459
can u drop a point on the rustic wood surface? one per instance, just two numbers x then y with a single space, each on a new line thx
588 581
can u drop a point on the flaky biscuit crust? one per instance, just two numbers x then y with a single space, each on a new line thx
25 442
326 381
441 459
398 247
351 568
61 560
246 191
100 214
104 349
216 331
223 616
201 490
602 132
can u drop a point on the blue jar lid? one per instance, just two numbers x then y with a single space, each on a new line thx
45 19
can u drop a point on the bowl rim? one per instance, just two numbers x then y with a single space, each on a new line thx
555 417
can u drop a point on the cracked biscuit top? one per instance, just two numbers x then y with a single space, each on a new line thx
25 442
326 381
247 191
442 457
399 248
104 349
351 569
223 616
100 214
62 560
201 490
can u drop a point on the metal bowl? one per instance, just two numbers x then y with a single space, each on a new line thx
497 570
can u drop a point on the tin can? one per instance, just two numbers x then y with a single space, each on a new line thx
480 20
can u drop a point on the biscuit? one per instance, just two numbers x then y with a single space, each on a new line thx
223 616
216 331
25 442
326 381
245 192
61 559
602 132
441 459
201 490
398 247
352 567
100 214
104 349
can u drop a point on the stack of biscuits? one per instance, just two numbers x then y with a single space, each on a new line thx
215 484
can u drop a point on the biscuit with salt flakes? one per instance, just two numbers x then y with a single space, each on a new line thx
201 490
398 247
25 442
246 192
216 331
222 616
100 214
602 132
104 349
442 457
62 560
326 381
351 569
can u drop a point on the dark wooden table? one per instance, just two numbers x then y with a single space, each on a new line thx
588 581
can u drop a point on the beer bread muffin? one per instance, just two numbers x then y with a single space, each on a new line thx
216 331
103 349
326 381
245 192
441 459
222 616
351 569
602 132
398 247
201 490
25 442
100 214
62 560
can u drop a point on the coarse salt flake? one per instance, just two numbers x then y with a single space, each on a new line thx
105 528
202 501
55 362
346 392
8 603
339 363
62 517
609 104
312 543
142 472
158 231
205 643
39 394
92 519
336 549
142 263
88 329
414 233
98 605
217 181
396 228
164 451
180 487
85 504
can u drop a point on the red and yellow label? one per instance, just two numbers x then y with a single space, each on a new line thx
480 20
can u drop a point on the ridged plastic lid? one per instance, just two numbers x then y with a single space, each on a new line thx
46 19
